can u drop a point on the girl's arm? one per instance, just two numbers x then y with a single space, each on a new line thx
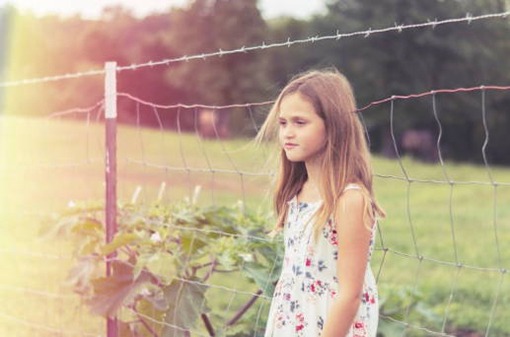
353 246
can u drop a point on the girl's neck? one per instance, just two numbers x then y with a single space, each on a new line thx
310 191
313 170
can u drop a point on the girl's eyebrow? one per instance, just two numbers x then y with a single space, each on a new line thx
296 116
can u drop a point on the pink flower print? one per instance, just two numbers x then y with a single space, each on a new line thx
280 320
367 298
317 287
332 235
300 318
359 329
308 262
333 238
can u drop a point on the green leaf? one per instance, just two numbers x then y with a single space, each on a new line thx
147 309
88 226
89 246
114 291
117 242
140 264
157 299
80 275
186 301
388 328
192 242
63 226
162 265
260 275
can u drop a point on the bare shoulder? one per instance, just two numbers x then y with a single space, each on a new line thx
351 208
351 200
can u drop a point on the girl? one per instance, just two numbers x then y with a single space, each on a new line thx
326 207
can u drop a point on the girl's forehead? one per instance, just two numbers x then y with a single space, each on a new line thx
295 104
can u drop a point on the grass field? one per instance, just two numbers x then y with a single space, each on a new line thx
447 241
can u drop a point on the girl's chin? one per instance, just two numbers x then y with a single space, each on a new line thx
298 159
294 159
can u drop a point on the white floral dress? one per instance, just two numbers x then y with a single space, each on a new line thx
308 283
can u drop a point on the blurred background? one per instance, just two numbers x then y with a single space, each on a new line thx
38 44
441 151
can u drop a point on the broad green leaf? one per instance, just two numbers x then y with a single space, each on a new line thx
162 264
147 309
89 246
389 329
260 275
140 264
88 226
185 304
117 242
110 293
63 226
192 242
157 299
80 275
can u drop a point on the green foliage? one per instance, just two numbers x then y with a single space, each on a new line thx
396 304
161 260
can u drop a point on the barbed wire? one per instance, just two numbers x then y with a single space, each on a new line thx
433 92
264 103
288 43
193 106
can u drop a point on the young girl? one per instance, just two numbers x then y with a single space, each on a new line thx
326 207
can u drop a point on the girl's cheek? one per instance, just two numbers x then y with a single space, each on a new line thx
281 134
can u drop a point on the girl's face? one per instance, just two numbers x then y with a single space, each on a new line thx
302 132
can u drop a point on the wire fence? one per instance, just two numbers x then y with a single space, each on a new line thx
457 204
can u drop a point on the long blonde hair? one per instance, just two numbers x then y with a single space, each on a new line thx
346 158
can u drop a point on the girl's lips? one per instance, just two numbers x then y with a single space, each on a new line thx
289 146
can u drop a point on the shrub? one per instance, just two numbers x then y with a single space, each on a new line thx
162 260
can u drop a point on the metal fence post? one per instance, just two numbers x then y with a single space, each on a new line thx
110 111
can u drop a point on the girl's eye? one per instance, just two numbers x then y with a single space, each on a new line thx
281 122
300 122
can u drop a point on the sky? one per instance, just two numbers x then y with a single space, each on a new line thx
92 8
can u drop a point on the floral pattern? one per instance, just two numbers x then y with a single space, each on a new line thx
308 283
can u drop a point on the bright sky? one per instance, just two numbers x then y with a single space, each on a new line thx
92 8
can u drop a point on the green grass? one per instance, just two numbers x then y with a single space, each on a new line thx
439 239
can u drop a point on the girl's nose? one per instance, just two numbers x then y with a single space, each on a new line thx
288 132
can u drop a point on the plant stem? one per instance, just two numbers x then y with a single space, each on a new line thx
244 308
208 325
145 324
211 270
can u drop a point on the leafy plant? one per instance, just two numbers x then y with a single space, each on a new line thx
162 259
399 304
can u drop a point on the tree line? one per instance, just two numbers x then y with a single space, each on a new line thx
381 65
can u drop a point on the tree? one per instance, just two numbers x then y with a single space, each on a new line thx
209 26
419 60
